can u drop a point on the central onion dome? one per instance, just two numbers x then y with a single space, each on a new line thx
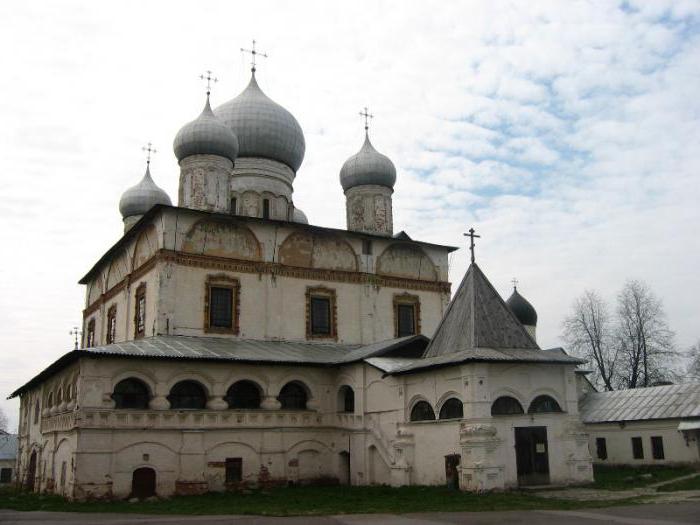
366 167
206 135
263 127
522 309
138 199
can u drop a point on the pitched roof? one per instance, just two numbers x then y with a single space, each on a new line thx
179 347
477 317
657 402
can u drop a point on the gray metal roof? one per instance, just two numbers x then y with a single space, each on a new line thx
477 318
398 365
8 446
231 350
657 402
206 135
367 166
140 198
263 127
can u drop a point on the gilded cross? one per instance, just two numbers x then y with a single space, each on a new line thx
254 53
149 149
209 80
367 115
472 235
75 333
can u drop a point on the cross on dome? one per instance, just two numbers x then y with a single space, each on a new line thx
209 80
149 149
367 115
472 235
515 283
254 53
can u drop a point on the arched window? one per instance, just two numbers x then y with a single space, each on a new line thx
542 404
452 409
131 393
506 406
243 394
49 400
346 399
422 411
36 412
187 394
293 396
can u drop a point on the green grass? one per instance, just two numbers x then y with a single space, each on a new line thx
612 477
686 484
291 501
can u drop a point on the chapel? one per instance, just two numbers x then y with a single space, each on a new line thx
230 342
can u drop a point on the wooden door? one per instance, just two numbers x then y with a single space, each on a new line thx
31 472
143 483
532 455
452 470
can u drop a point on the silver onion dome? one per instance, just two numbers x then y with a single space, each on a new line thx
299 216
138 199
263 127
367 166
206 135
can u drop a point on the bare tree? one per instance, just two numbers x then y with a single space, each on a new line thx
3 420
644 340
587 331
693 370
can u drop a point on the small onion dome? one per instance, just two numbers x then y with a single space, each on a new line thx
367 166
299 216
138 199
522 309
206 135
263 127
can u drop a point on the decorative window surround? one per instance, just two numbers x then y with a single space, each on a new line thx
222 281
321 292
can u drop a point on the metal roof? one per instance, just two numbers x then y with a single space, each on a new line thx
477 317
8 446
140 198
657 402
206 135
367 166
397 365
231 350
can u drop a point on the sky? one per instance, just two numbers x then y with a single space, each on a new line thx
565 132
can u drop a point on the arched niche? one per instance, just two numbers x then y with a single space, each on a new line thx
407 261
222 239
329 252
146 246
117 270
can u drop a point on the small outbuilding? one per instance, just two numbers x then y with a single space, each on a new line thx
644 426
8 457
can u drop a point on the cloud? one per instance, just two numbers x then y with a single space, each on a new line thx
566 133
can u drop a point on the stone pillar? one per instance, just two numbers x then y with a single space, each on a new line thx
192 464
369 209
481 468
205 182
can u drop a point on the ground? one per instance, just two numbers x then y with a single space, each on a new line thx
677 514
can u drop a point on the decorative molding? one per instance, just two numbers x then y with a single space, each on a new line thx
411 300
326 293
223 281
259 267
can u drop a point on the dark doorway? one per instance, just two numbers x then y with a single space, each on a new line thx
31 472
452 470
344 470
531 451
143 483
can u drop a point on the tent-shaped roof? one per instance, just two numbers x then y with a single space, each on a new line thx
477 317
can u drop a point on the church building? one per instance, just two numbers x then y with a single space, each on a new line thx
227 342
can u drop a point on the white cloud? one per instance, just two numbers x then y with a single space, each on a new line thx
565 132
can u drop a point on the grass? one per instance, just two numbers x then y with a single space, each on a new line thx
618 477
300 501
686 484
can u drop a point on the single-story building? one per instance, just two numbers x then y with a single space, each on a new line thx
8 457
644 426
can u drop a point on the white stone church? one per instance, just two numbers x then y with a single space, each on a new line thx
229 343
